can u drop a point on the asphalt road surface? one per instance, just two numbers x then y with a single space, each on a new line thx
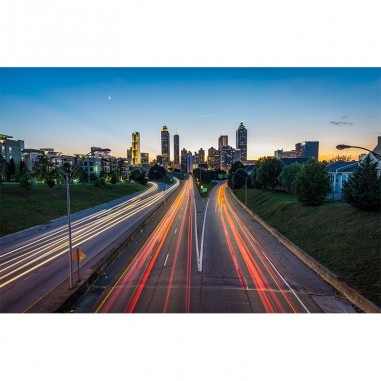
207 255
33 263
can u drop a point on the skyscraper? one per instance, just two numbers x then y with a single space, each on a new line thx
176 148
213 158
241 141
222 141
136 158
165 148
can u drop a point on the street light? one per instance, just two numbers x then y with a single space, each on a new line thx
344 146
68 176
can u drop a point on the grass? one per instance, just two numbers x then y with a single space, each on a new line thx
344 239
208 186
21 209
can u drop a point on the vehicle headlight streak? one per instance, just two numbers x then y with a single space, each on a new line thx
127 290
268 296
84 230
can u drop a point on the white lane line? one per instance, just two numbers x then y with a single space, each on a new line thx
202 239
175 231
166 259
284 280
196 234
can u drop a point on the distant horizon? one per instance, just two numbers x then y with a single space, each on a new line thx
73 109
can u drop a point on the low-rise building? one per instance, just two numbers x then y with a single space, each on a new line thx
339 172
11 149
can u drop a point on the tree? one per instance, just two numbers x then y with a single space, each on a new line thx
21 170
26 180
114 178
362 190
156 172
201 175
341 158
81 175
268 171
239 178
233 168
312 184
3 167
288 175
11 169
43 170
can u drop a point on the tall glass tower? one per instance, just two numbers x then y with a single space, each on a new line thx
241 141
176 148
136 158
165 148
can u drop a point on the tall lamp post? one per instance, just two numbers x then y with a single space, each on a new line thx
68 176
344 146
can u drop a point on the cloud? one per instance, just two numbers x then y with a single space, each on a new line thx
340 123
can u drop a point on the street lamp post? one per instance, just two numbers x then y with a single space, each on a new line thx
68 177
344 146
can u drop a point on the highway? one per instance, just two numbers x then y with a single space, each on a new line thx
208 255
35 262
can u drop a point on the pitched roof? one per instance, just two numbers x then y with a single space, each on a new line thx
341 166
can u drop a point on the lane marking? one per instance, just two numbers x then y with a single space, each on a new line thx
166 259
175 231
202 239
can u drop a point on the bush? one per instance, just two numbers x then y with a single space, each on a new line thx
312 184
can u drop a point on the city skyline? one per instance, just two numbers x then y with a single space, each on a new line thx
71 109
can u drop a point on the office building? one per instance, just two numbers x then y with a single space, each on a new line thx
199 156
11 148
136 158
222 141
176 149
144 159
184 154
213 158
306 150
165 147
241 141
227 155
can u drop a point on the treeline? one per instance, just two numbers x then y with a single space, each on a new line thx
310 182
44 171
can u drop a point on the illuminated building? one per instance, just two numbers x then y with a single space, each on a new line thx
241 141
165 146
11 148
227 155
213 158
176 149
136 158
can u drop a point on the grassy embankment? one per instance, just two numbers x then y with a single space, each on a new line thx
21 209
344 239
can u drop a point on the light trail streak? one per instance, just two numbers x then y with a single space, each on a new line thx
271 303
84 230
275 275
175 260
136 271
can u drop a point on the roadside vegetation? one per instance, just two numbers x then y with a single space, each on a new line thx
344 239
21 208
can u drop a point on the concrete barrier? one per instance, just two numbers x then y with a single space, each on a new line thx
353 296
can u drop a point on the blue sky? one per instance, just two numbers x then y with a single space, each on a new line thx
69 109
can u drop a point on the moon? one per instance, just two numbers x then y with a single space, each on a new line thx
109 97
